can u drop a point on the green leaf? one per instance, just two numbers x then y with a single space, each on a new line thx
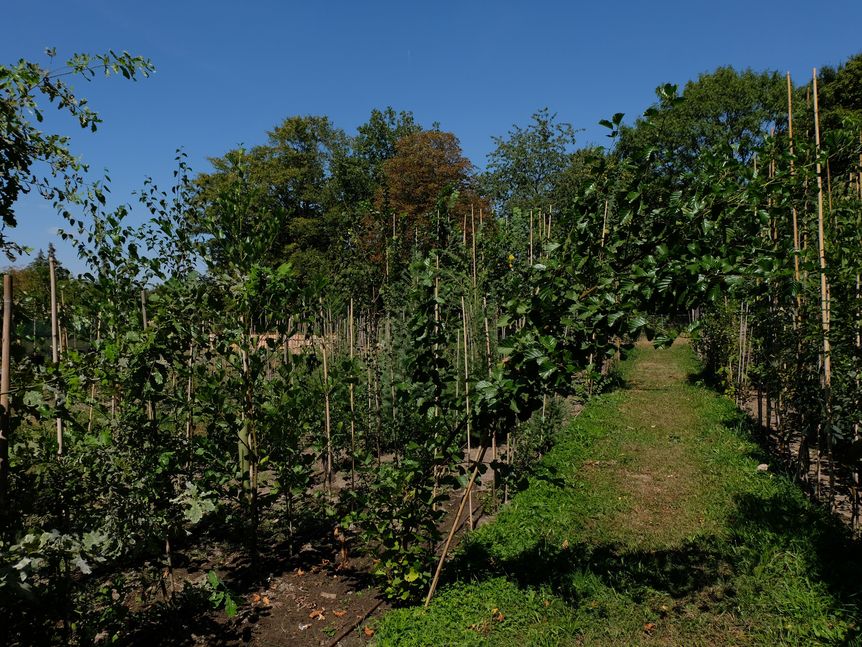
230 606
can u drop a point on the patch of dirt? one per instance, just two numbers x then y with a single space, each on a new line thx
319 606
321 603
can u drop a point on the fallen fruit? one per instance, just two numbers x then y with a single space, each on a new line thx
339 614
368 631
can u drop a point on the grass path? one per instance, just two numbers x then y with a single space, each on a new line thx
649 524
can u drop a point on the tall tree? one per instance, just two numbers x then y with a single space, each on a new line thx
524 168
376 141
290 178
428 169
841 114
841 91
719 108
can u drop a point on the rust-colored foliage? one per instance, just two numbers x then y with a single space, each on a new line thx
426 166
428 170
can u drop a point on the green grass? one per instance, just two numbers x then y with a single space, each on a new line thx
648 523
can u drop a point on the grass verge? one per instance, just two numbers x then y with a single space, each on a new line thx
649 523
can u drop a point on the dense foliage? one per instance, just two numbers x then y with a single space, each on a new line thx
307 338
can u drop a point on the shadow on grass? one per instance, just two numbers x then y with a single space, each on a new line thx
701 571
679 572
706 379
770 532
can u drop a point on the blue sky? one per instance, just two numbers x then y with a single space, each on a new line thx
229 71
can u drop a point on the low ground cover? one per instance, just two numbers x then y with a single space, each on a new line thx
649 522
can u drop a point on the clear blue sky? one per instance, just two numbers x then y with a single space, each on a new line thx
229 71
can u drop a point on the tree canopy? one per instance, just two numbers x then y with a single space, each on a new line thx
525 167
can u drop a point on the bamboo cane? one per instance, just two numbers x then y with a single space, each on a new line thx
350 388
55 338
467 399
824 284
5 386
454 527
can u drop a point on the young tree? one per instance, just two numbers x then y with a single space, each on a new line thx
22 141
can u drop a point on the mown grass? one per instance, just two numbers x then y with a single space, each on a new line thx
648 523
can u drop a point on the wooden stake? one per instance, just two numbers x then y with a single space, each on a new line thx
350 341
436 319
190 403
464 229
151 412
467 398
473 237
5 386
93 386
605 225
821 243
327 421
454 527
55 337
824 286
796 274
493 430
